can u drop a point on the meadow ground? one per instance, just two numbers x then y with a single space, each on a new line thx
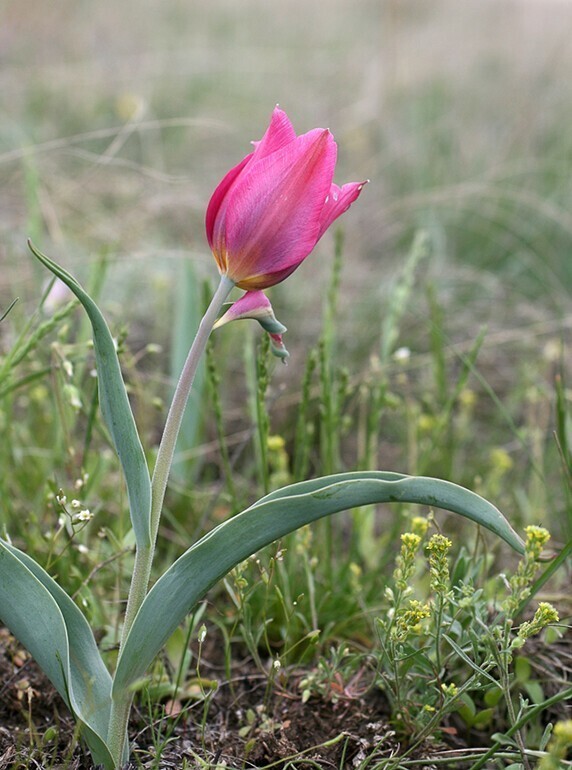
434 340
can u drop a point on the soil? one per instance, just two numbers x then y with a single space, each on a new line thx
245 723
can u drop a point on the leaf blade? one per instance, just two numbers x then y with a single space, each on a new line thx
115 407
53 629
279 513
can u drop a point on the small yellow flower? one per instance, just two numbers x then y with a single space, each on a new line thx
467 398
536 539
408 620
410 541
558 747
544 616
276 443
426 423
563 731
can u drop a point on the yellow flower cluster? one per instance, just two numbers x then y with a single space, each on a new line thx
544 616
410 543
520 582
536 539
439 547
408 620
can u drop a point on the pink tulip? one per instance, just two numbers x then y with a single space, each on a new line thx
270 210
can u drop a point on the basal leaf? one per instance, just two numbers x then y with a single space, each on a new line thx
57 635
416 489
115 407
277 514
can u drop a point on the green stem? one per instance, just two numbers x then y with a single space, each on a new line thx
144 556
117 731
505 661
175 416
438 632
121 704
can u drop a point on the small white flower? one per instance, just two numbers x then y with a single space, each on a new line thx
402 354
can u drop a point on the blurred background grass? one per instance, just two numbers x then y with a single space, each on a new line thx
118 121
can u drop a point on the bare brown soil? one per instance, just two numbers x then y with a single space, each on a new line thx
246 724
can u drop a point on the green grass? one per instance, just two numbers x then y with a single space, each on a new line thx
437 343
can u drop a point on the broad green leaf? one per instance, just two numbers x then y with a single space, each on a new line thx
57 635
277 514
115 407
418 489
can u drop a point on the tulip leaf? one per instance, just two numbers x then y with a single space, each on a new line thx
189 578
417 489
55 632
115 407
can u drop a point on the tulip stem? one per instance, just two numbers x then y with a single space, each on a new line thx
121 703
144 556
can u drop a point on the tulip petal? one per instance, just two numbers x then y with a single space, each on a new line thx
255 305
216 201
279 133
272 217
338 201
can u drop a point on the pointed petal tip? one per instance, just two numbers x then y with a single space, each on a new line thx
278 348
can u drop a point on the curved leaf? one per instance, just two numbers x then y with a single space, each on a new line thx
416 489
277 514
314 485
115 407
57 635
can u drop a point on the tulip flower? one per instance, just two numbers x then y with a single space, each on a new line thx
270 210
